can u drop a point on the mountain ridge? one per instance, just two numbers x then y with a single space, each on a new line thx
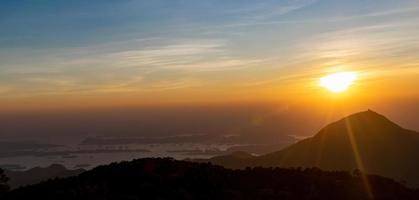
365 140
164 178
38 174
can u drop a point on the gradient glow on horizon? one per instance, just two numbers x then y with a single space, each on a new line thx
127 53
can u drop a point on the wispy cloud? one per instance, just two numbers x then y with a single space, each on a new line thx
271 11
166 55
270 16
126 68
364 41
5 89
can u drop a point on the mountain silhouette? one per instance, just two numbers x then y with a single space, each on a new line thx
163 178
366 141
38 174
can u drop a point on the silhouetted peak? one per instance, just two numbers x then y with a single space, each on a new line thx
367 113
57 167
363 123
51 168
371 118
241 154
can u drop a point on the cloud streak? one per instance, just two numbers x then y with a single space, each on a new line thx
122 68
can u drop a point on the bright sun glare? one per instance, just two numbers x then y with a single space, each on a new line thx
338 82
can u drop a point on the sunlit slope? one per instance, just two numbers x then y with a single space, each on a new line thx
365 140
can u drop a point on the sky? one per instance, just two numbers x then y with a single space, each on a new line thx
124 53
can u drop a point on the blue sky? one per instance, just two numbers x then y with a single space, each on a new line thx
83 47
78 23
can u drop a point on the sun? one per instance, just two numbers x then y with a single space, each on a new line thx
338 82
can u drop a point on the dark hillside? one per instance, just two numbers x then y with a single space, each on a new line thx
170 179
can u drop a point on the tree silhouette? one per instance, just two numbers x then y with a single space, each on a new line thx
3 182
162 178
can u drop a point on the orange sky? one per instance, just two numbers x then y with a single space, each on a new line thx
255 53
